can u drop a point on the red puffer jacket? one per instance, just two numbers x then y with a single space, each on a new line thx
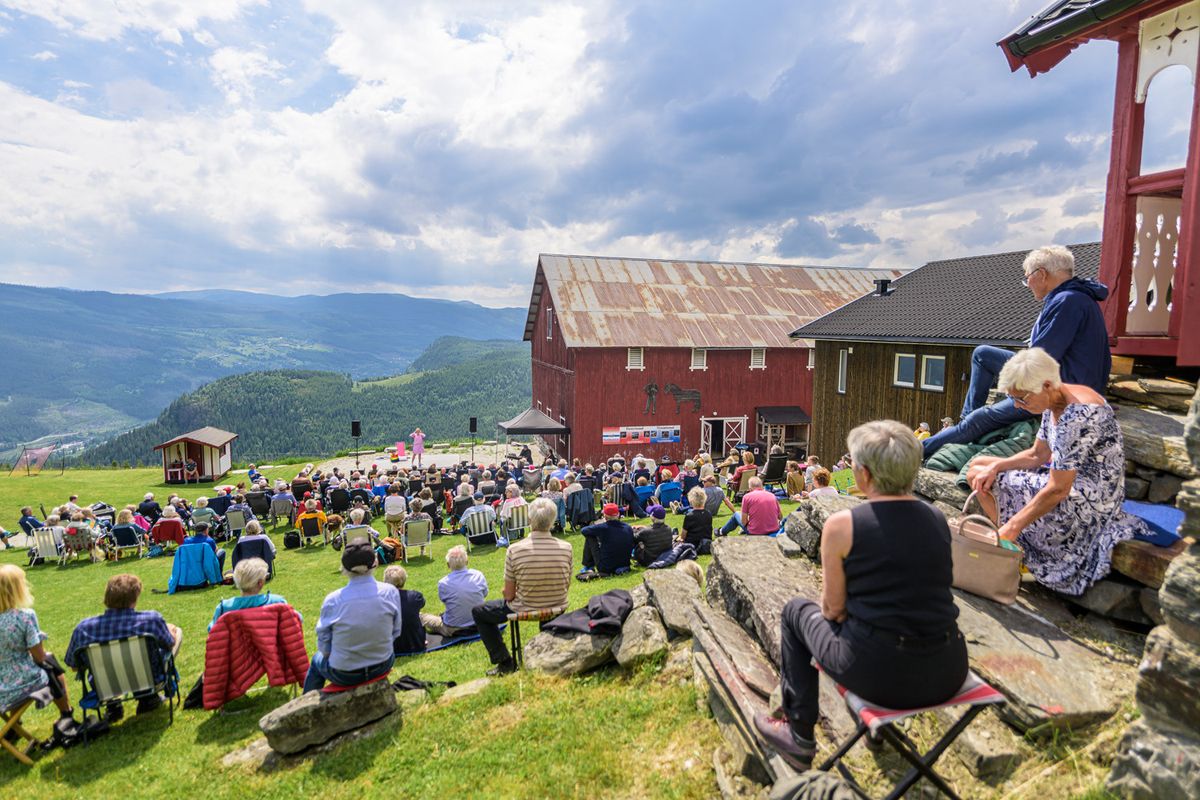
244 645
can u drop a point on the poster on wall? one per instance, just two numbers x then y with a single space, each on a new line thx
630 434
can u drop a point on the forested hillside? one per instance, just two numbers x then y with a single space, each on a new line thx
307 413
81 365
450 350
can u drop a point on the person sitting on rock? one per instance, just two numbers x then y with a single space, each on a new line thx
885 627
359 623
653 540
607 545
460 590
537 575
412 632
760 514
1067 519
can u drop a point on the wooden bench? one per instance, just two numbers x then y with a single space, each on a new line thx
1144 562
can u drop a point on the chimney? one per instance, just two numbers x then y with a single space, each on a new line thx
883 287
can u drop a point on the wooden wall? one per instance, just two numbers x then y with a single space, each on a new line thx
870 393
608 395
553 372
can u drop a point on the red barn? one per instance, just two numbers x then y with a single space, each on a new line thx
664 358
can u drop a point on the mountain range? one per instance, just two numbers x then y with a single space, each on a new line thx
83 365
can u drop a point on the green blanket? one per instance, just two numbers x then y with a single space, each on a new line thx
1002 443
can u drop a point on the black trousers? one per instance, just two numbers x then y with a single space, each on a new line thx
591 552
489 617
876 665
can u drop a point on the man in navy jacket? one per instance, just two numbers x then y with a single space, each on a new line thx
1070 328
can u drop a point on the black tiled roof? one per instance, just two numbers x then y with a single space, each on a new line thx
970 301
1062 19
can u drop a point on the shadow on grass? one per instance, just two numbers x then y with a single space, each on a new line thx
126 743
238 718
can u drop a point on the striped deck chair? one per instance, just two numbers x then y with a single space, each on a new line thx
119 669
479 527
46 546
517 524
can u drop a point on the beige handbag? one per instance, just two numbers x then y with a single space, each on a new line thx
981 565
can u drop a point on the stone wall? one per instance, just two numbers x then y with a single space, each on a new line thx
1159 756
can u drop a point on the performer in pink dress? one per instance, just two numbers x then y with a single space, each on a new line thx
418 449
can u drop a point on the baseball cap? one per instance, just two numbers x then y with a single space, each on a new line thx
658 512
611 510
478 496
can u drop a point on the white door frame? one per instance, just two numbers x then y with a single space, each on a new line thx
733 430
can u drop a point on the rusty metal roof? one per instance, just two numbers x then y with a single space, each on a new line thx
634 302
208 435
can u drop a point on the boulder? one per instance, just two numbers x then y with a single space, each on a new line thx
1050 680
789 548
1181 587
804 536
1164 488
1136 392
672 592
1114 598
642 637
1136 488
315 717
1155 438
940 486
1167 681
813 785
744 653
1145 563
567 655
818 509
640 595
410 699
1167 386
468 689
730 781
1153 765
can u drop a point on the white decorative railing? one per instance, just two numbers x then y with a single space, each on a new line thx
1155 254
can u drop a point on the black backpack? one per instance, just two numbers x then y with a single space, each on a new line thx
291 540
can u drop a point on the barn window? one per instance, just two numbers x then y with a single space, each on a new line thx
758 358
549 323
812 358
904 370
842 363
634 359
699 358
933 373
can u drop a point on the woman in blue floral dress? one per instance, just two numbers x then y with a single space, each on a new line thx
25 666
1060 500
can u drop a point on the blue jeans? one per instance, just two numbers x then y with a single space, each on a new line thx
986 363
733 524
977 424
319 673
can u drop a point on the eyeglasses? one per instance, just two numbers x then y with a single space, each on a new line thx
1023 401
1027 278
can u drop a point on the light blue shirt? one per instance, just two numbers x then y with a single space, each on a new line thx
460 591
358 623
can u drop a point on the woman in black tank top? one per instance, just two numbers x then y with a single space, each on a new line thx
885 627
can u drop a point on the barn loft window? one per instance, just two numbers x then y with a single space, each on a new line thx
812 358
843 358
758 358
933 373
699 358
634 359
549 323
904 370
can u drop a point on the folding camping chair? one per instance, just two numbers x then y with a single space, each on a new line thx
882 722
47 546
478 527
743 484
775 472
542 615
417 533
12 733
124 537
260 504
281 507
235 522
517 524
121 669
311 528
78 541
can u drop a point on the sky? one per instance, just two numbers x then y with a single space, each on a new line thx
435 148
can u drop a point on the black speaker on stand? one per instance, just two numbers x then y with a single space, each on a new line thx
355 434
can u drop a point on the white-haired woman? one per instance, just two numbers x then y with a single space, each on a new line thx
249 576
1067 518
886 627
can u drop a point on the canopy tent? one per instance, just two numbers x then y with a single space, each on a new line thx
535 422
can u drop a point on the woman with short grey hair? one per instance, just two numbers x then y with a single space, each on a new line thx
1068 518
885 627
249 576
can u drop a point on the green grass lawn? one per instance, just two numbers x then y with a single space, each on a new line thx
608 734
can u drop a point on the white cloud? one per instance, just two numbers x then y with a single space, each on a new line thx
205 38
108 20
170 36
76 84
236 71
44 55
